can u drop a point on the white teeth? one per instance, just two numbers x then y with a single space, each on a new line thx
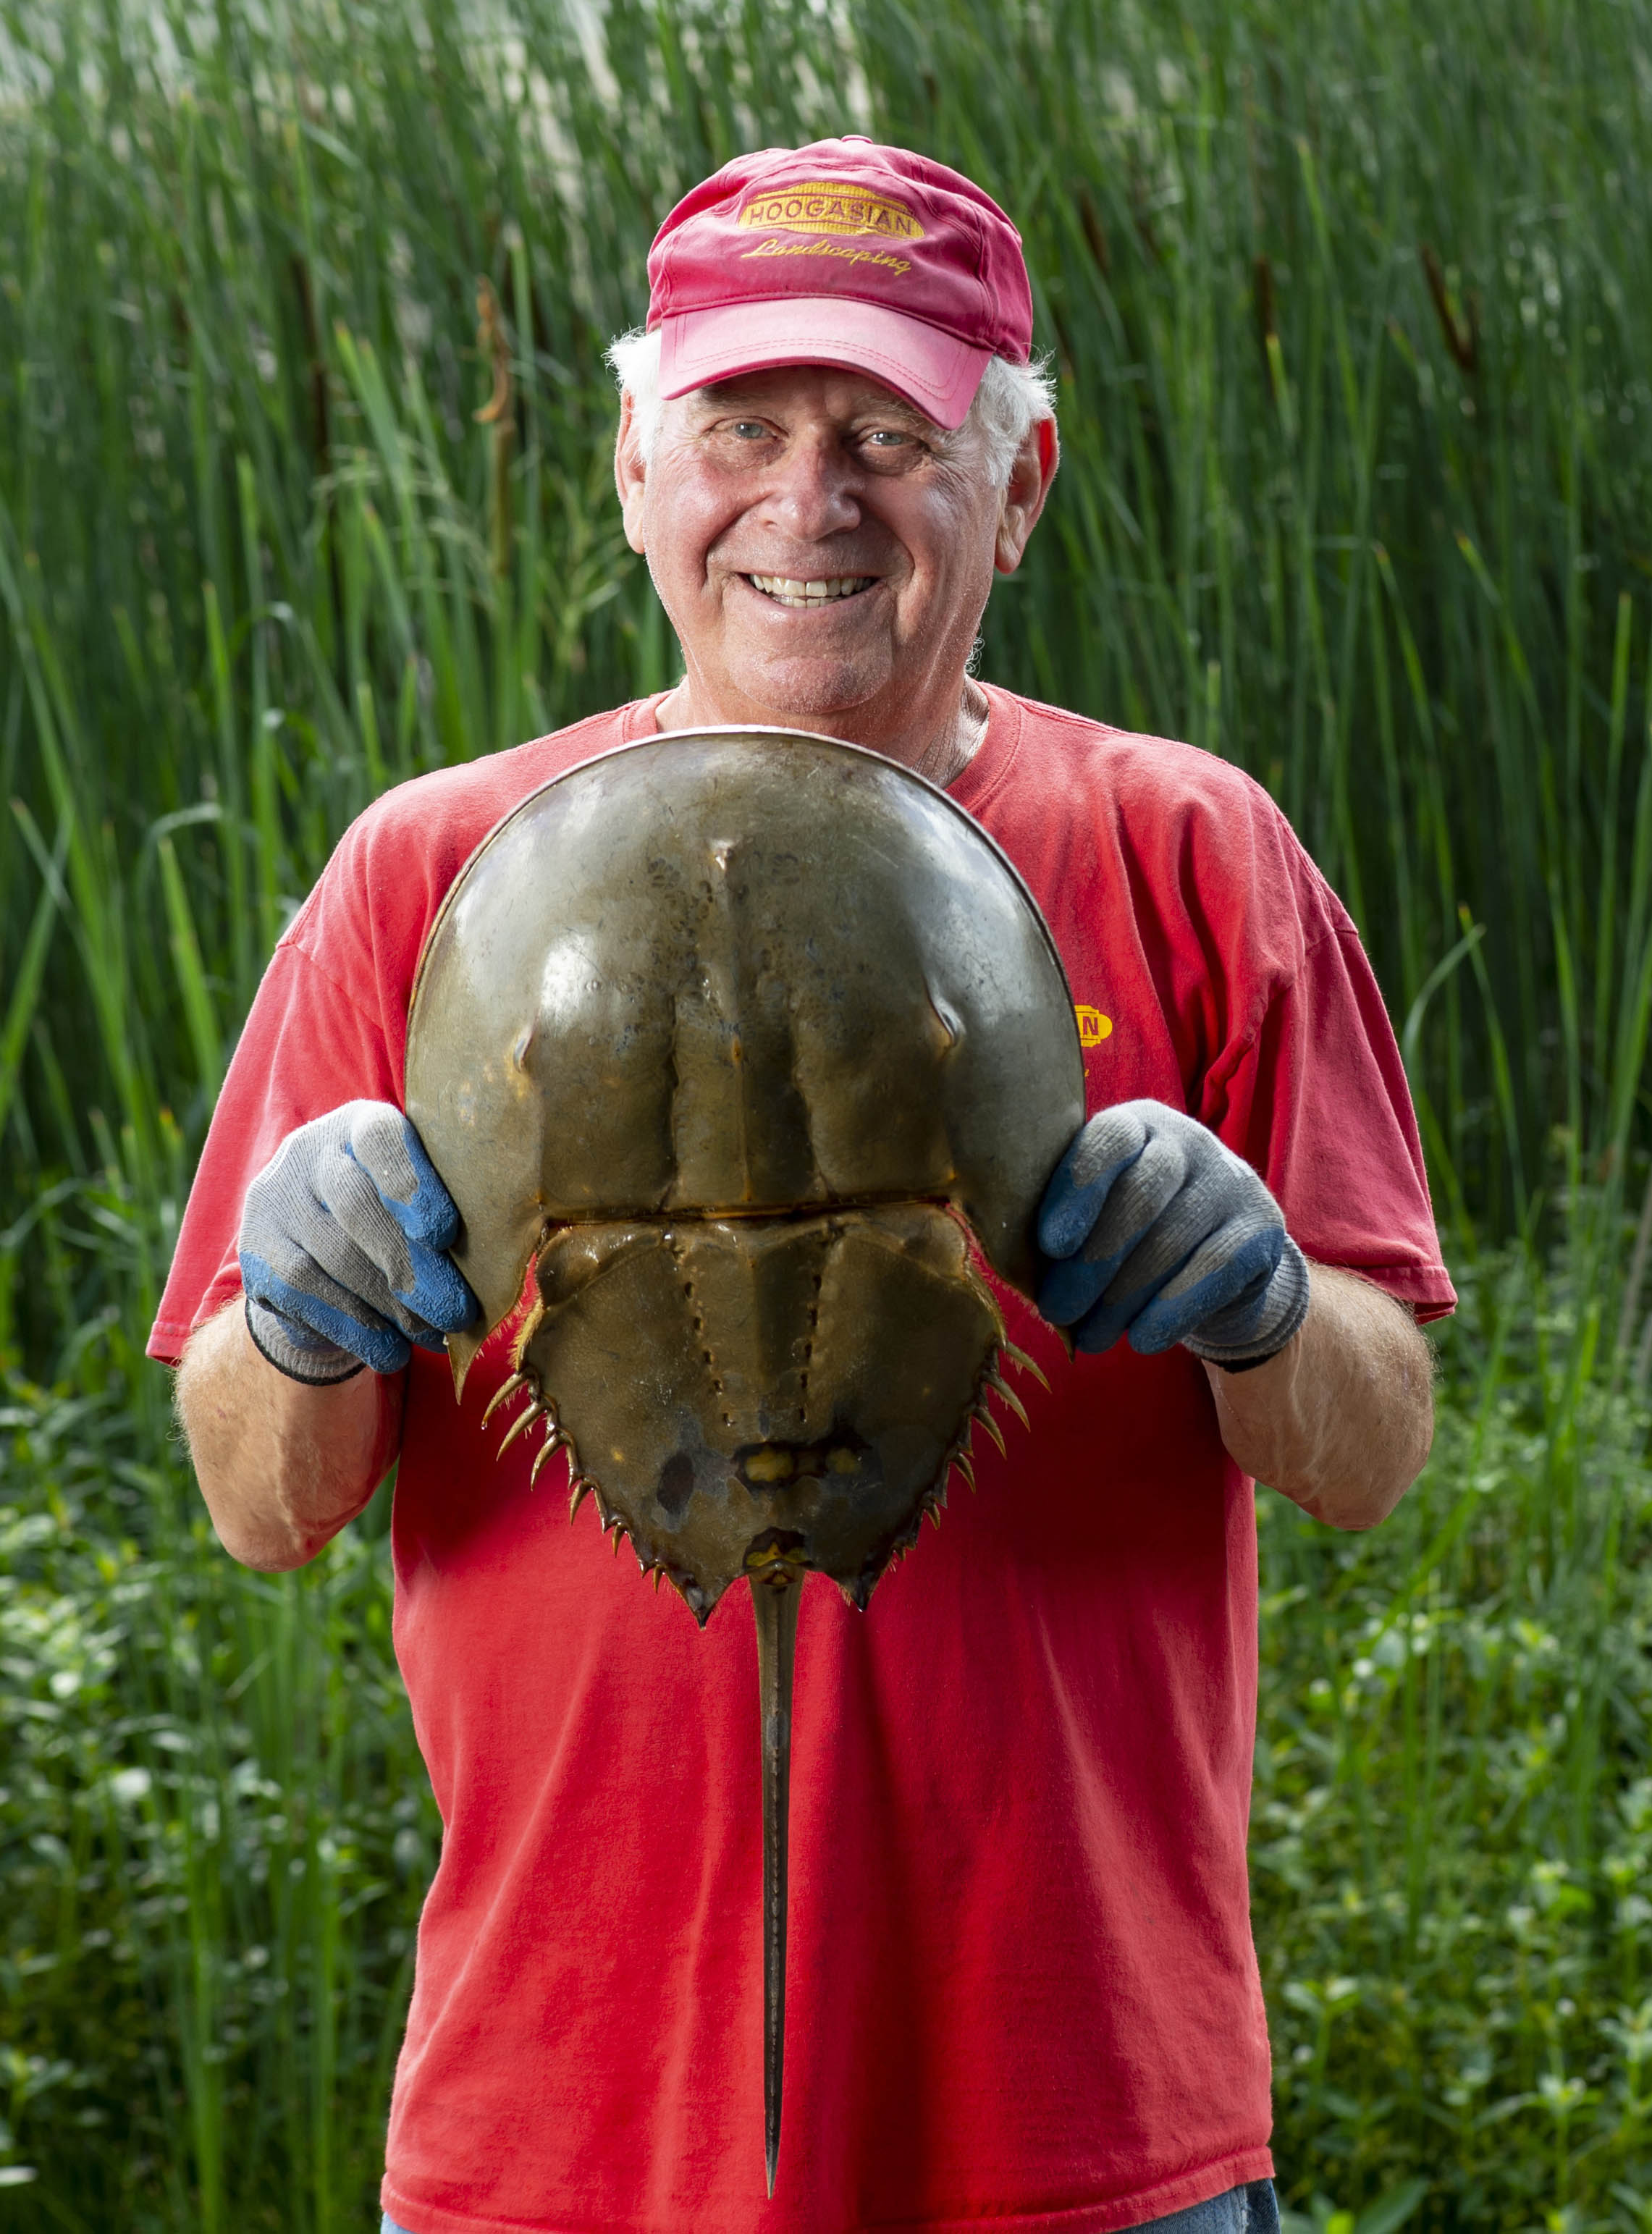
788 592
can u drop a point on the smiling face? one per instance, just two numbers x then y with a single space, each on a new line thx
823 552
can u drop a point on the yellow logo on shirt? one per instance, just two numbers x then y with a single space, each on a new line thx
1094 1026
831 205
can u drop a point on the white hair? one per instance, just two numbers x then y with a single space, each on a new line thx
1011 402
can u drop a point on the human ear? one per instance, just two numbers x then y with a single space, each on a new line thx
1023 498
630 474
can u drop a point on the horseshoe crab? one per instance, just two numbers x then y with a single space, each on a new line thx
736 1037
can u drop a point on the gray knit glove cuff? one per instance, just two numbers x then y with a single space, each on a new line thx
292 1349
1250 1332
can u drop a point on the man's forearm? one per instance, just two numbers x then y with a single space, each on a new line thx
1342 1418
282 1466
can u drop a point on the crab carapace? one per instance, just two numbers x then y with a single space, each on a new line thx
739 1038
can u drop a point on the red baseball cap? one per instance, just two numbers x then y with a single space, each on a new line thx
841 252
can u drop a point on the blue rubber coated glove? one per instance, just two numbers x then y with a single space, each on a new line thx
343 1247
1158 1231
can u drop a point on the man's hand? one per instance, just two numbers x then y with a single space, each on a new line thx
343 1246
1158 1231
1323 1388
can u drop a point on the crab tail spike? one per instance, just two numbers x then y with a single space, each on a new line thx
553 1441
1003 1389
961 1460
581 1492
658 1572
991 1425
518 1426
776 1611
1027 1364
503 1395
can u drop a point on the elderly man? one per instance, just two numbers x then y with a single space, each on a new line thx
1023 1991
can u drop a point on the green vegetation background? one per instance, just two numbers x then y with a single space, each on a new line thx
1351 307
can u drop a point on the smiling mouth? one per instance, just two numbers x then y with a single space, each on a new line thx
785 591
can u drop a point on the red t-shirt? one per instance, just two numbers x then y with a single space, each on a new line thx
1022 1985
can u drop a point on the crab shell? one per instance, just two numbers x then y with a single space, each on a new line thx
731 1035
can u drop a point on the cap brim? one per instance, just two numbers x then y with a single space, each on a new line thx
933 371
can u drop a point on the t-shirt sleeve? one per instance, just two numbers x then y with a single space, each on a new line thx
307 1046
1316 1099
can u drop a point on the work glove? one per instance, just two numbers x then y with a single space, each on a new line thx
343 1248
1157 1231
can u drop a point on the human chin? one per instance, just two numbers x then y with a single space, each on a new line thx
806 686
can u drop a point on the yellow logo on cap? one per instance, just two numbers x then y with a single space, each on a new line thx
1094 1026
831 205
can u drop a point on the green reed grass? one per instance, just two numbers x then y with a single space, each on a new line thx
303 489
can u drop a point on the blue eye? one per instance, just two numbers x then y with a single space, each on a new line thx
750 429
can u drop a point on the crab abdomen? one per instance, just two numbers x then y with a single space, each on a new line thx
729 1383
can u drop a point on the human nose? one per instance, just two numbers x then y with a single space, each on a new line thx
810 495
